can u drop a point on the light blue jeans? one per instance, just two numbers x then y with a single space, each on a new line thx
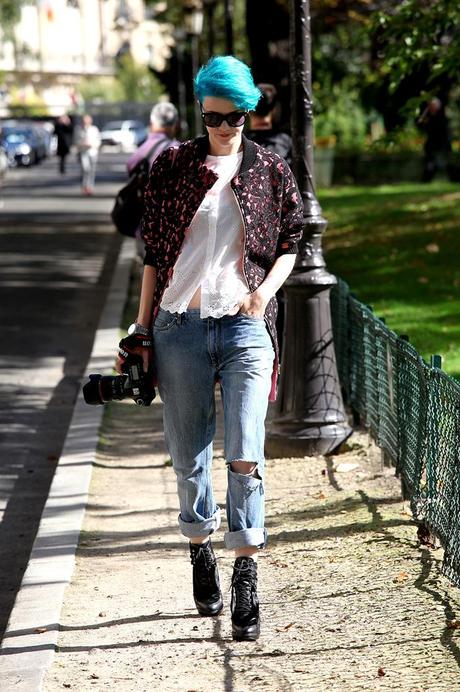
191 354
88 162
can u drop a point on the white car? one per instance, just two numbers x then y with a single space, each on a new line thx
125 134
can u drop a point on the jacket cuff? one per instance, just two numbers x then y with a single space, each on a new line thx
287 247
149 258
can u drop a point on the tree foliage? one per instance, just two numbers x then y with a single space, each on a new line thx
369 57
137 82
419 34
10 14
173 13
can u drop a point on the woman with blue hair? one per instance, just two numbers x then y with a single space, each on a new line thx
222 220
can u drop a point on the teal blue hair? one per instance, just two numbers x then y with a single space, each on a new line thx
228 78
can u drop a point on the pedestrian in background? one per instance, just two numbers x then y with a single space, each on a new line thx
63 130
222 220
88 142
262 124
438 139
164 120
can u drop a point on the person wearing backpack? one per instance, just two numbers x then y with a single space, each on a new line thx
128 207
164 120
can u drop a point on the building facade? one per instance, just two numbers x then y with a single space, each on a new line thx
58 42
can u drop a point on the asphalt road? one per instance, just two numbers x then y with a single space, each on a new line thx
57 253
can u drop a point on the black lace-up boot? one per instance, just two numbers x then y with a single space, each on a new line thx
245 602
206 585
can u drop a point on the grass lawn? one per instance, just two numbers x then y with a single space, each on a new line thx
398 248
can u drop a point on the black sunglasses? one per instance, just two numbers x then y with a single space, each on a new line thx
234 119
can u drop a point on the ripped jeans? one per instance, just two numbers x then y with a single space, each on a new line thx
191 354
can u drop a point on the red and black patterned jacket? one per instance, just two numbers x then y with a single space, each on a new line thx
268 198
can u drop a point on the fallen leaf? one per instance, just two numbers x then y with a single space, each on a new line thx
319 496
66 684
380 672
93 676
401 578
40 630
300 669
284 628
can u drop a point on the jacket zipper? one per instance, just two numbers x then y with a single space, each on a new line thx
276 361
244 235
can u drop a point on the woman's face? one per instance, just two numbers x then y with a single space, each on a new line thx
223 139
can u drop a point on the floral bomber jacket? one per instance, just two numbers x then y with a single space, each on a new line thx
268 197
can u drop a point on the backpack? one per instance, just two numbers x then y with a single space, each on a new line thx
128 208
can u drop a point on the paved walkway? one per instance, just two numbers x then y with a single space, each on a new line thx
349 602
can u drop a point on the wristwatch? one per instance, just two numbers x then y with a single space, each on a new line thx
136 328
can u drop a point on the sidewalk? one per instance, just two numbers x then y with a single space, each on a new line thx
349 602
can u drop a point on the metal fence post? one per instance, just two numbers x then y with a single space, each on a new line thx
310 417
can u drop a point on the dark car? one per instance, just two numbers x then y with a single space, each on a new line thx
22 144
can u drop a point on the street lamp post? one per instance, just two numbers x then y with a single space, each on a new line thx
210 6
309 416
179 37
228 11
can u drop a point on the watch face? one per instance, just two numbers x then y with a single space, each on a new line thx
132 328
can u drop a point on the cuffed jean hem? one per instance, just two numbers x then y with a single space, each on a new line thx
192 529
246 538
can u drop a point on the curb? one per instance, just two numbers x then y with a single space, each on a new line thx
30 639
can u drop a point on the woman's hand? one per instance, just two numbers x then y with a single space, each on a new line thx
136 345
146 355
254 304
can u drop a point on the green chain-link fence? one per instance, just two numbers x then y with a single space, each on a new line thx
412 411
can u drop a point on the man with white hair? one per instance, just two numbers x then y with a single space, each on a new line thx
164 120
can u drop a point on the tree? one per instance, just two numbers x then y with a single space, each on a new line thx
10 14
136 81
417 52
419 34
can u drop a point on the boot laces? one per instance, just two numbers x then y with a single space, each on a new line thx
244 582
203 559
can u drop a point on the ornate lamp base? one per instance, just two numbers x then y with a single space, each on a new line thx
309 416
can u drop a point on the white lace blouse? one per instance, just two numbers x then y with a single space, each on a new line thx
212 252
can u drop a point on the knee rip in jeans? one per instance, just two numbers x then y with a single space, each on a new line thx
245 468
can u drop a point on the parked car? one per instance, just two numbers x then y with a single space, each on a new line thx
125 134
22 144
45 131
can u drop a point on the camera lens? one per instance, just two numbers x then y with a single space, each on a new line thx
112 387
102 388
91 391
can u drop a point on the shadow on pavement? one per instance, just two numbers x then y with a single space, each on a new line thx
55 269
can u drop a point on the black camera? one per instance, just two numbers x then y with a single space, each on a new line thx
134 383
